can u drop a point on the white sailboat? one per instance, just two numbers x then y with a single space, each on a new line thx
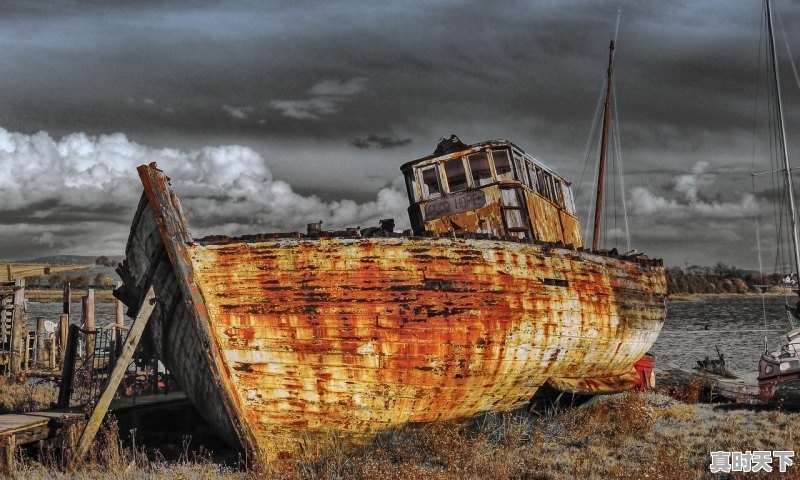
779 371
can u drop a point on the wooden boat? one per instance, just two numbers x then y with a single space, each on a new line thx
281 339
779 371
779 374
277 338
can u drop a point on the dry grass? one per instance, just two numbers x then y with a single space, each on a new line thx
19 398
20 270
628 436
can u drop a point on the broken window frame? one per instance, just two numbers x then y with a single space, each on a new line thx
479 182
426 194
569 199
530 167
520 168
559 191
464 169
412 188
508 156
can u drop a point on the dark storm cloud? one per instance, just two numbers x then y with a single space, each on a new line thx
376 141
309 85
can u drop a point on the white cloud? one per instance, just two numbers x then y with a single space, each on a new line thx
688 200
337 88
325 98
225 190
241 113
309 109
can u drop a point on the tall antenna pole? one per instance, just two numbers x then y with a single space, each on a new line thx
601 174
787 170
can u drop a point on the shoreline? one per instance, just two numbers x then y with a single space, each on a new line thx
696 297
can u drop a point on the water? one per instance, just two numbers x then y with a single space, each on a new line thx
103 313
731 322
682 341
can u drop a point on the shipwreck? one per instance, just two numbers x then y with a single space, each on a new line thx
279 339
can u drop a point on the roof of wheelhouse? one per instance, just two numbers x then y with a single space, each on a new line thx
452 145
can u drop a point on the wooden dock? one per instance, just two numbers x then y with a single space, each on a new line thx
22 428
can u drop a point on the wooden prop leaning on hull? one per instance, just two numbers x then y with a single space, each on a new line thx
276 340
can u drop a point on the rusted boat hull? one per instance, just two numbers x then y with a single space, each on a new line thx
282 340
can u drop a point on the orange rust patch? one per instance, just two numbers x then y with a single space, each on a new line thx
361 335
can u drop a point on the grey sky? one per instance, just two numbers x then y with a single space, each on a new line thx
334 96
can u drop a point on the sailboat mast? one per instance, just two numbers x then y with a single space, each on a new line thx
782 131
601 174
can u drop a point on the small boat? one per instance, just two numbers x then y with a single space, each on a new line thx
779 374
715 367
779 371
281 339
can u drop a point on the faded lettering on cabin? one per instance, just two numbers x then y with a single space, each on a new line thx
453 204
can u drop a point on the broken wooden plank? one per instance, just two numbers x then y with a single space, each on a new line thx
100 409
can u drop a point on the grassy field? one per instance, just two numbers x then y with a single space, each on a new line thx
20 270
626 436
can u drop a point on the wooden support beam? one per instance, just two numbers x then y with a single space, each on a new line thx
63 332
119 322
17 340
19 292
68 366
8 273
88 324
39 352
67 299
8 445
121 365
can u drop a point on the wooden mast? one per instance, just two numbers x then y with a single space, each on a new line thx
598 205
787 170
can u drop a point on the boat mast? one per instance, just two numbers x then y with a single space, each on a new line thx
598 205
782 135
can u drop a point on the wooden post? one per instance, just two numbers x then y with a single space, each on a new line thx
39 352
119 322
88 324
17 340
52 362
67 298
101 407
63 331
68 367
26 349
8 272
9 448
19 292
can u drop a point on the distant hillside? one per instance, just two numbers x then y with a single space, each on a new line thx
73 259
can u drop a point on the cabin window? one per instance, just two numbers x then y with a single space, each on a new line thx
569 201
430 182
545 181
519 167
768 369
502 165
479 166
456 175
412 187
532 176
559 191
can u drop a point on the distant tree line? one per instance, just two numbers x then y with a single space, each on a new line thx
721 278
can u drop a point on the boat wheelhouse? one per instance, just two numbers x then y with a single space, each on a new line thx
492 188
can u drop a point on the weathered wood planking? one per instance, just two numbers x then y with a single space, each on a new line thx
280 340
